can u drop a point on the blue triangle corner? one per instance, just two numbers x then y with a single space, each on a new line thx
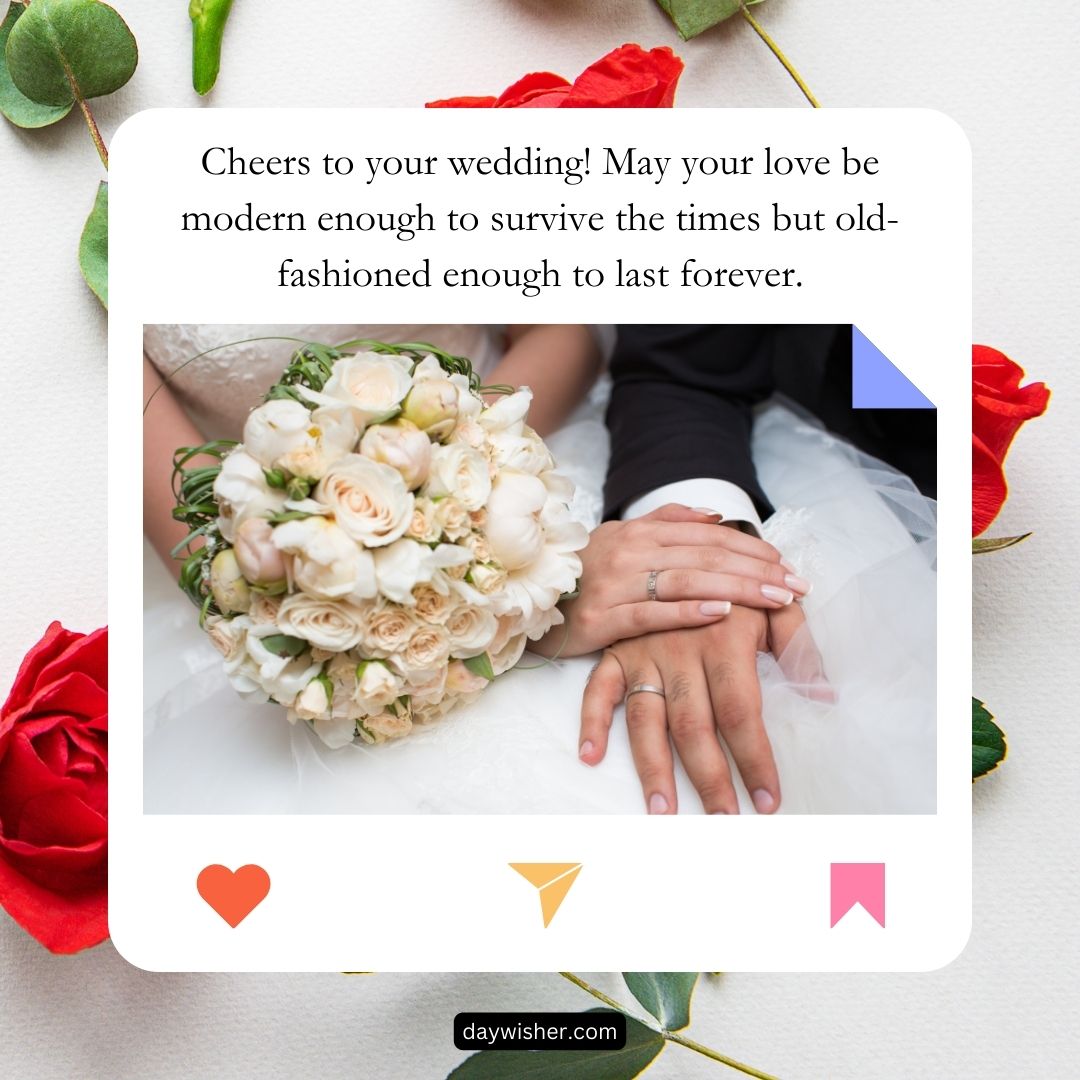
877 383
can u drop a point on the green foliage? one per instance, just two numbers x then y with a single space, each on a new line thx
693 17
284 645
665 994
988 747
14 104
481 665
208 19
643 1045
94 246
63 51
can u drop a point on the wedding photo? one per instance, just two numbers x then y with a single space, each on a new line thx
533 569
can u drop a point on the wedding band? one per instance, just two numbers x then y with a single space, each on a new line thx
650 585
644 688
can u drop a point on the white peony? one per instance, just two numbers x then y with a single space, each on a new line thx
402 566
242 492
401 445
461 471
508 413
326 562
368 500
514 533
259 559
336 625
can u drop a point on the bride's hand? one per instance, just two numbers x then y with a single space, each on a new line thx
700 571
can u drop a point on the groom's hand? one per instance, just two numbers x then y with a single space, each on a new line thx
710 682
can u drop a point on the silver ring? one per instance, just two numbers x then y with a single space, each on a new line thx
650 585
644 688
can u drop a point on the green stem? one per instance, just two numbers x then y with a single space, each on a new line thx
778 53
95 133
671 1036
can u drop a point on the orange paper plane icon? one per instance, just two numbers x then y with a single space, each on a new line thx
553 879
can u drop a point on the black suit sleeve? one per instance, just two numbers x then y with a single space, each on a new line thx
682 407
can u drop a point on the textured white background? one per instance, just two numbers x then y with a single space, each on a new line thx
1007 73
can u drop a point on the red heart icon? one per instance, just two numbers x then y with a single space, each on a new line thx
233 894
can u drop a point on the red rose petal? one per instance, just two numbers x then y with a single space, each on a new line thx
462 103
628 77
988 488
537 82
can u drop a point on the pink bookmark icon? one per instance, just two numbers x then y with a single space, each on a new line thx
854 883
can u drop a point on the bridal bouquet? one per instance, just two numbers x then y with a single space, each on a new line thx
382 543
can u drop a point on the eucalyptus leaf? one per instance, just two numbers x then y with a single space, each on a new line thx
62 51
981 545
665 994
643 1045
284 644
988 748
693 17
14 104
94 246
481 665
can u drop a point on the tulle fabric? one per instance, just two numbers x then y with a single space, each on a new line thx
859 530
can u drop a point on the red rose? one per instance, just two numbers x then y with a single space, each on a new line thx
627 78
999 405
54 791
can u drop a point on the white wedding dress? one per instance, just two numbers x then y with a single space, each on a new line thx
856 528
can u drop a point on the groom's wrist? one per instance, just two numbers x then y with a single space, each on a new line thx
720 496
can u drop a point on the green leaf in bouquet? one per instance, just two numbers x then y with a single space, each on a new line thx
982 545
481 665
988 748
284 644
63 51
94 246
14 104
643 1045
665 994
693 17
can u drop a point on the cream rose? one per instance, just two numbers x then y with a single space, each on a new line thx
388 724
369 500
471 631
371 386
452 518
427 649
401 445
226 635
376 686
461 471
314 700
386 630
423 525
336 625
460 680
431 605
242 492
326 562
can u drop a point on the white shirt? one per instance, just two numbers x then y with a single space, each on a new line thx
704 493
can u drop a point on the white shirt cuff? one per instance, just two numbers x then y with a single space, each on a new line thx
720 496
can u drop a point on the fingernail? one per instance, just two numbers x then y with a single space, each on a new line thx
798 584
780 596
787 566
707 511
715 607
658 804
586 748
763 801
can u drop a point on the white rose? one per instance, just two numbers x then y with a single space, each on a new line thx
513 530
230 590
401 445
336 625
326 562
386 630
471 631
368 500
452 518
402 566
376 687
461 471
369 385
313 701
242 492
